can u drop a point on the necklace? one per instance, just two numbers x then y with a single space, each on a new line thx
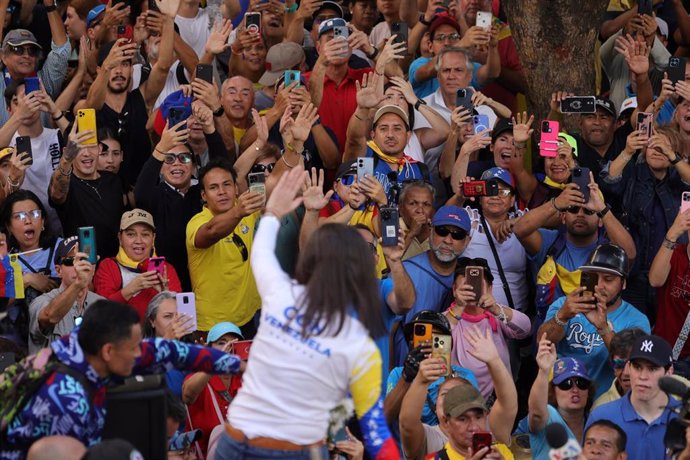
95 189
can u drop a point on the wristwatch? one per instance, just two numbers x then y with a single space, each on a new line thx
423 21
50 8
419 103
676 160
374 53
219 112
603 212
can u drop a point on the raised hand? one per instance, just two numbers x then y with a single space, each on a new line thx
405 88
172 137
556 99
284 198
368 95
570 196
261 129
483 346
217 41
636 53
312 191
168 7
306 118
522 127
546 354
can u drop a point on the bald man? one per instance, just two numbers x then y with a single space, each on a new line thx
237 99
56 448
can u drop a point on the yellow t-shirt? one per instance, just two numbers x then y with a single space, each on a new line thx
502 448
222 279
237 134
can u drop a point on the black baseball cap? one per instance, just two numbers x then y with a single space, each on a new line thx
501 126
652 348
64 247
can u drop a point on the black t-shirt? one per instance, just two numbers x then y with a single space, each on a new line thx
588 157
312 158
130 126
94 203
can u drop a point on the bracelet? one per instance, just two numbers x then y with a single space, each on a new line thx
668 244
51 8
377 73
374 53
520 145
502 315
558 321
59 117
424 21
156 149
285 161
676 160
292 8
553 203
603 212
69 173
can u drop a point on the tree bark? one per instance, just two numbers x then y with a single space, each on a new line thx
555 40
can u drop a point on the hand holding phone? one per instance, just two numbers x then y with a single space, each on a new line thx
580 176
390 226
548 141
186 305
474 277
156 264
87 243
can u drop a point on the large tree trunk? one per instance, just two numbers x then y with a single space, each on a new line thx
555 40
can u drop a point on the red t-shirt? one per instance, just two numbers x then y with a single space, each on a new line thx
673 299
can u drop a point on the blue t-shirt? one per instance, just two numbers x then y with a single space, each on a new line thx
645 441
582 341
537 441
389 318
431 292
424 88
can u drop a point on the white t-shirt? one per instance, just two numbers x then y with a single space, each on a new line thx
195 31
291 384
379 33
172 84
46 155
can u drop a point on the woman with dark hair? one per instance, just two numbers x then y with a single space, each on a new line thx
565 398
23 218
110 159
321 325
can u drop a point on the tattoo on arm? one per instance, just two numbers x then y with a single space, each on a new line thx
70 151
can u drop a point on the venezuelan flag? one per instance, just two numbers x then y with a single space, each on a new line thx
11 279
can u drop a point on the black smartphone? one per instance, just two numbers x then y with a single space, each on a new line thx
463 98
589 281
87 243
578 104
580 176
400 30
644 7
390 226
205 72
153 6
6 360
252 21
676 69
24 147
176 115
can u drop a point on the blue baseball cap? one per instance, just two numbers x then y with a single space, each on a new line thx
331 24
565 368
500 174
220 329
174 99
95 12
452 215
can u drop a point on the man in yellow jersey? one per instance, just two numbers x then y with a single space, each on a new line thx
219 241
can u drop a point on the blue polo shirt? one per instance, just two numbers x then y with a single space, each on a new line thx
645 441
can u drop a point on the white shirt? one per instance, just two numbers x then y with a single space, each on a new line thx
379 33
195 31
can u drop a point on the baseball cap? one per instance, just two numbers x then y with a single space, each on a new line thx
174 99
500 174
63 248
565 368
6 152
136 216
628 104
18 37
441 20
281 57
605 104
328 5
220 329
652 348
390 108
180 441
501 126
462 398
95 12
113 449
346 168
452 215
331 24
570 140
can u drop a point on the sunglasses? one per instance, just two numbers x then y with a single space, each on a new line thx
67 261
22 50
184 158
581 383
263 168
504 192
576 210
22 216
457 235
618 363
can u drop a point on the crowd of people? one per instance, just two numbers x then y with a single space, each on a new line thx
337 231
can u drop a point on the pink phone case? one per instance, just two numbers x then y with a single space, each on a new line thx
684 202
548 141
156 264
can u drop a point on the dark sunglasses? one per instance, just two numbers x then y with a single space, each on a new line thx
581 383
576 209
184 158
618 363
263 168
67 261
22 50
241 246
457 235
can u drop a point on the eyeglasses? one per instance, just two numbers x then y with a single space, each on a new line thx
263 168
457 235
576 210
184 158
504 192
448 37
67 261
347 180
618 363
241 246
22 50
22 216
581 383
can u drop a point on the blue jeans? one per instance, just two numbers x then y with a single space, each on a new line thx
229 449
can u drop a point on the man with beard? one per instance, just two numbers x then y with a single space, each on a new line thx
583 324
432 272
556 255
125 111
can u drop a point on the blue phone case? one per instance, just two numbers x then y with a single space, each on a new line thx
30 85
87 243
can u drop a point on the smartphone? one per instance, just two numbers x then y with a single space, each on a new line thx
580 176
241 348
177 114
86 121
676 69
578 104
644 7
365 166
126 2
685 202
589 280
441 345
337 454
252 21
6 360
390 226
292 76
484 19
481 123
422 332
205 72
30 85
474 277
186 304
481 440
23 145
156 264
341 32
257 182
487 187
153 6
124 31
463 98
401 32
548 142
644 122
87 243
